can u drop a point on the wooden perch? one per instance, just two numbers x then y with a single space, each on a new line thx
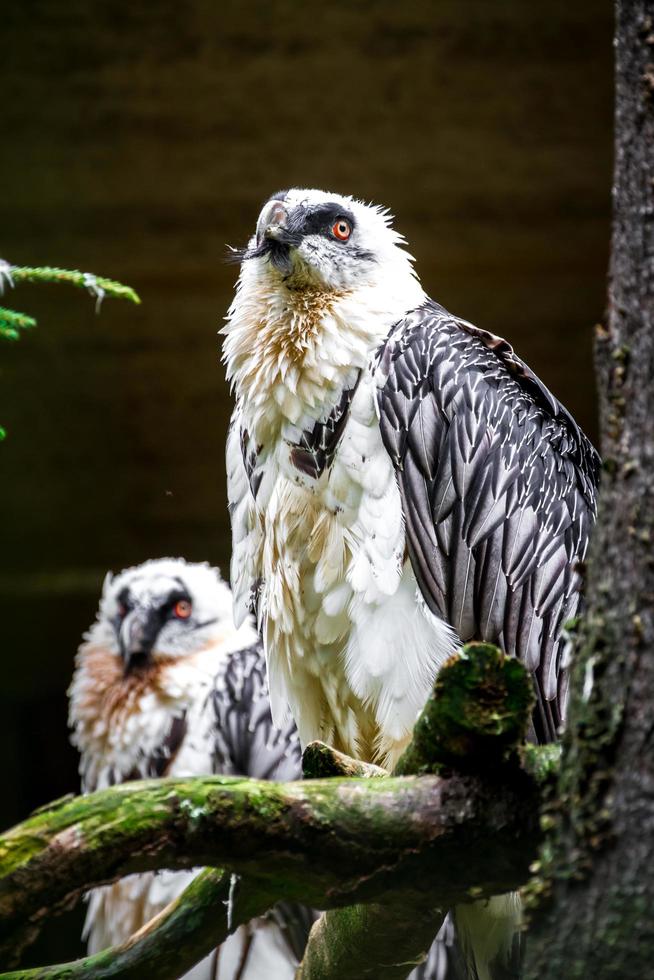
325 842
414 842
319 761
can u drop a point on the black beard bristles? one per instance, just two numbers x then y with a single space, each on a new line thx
236 255
278 252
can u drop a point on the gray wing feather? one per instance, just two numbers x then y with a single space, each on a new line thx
498 488
247 743
443 961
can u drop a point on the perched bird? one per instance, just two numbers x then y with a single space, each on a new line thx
165 685
399 482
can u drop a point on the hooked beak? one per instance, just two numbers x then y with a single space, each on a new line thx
136 637
272 223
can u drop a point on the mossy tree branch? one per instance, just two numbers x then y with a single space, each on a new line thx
477 715
370 942
325 842
330 842
175 940
161 946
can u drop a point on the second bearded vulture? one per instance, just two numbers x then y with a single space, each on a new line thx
165 685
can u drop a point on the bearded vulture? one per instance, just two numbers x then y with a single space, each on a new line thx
399 482
165 685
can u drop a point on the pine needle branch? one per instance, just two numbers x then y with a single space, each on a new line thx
12 322
96 285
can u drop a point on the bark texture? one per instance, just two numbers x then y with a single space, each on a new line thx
325 842
600 920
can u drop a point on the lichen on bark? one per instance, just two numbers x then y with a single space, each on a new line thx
477 714
597 918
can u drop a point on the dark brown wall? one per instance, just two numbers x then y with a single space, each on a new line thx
139 139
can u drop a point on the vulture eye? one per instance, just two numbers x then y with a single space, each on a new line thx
182 609
342 230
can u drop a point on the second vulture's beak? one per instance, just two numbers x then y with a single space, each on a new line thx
272 223
137 636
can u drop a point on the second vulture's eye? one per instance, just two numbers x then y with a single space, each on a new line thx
182 609
342 229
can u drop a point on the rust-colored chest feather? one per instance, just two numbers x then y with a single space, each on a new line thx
113 712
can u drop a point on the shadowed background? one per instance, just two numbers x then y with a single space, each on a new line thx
139 140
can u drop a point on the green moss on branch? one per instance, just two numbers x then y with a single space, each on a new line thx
477 715
324 842
362 941
161 949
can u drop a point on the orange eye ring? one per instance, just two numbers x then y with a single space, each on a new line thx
342 229
182 609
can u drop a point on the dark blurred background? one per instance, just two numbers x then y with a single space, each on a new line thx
139 139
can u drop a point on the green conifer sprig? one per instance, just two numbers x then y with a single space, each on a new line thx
96 285
12 322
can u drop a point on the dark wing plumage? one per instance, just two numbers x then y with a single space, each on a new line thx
316 447
498 488
248 744
246 741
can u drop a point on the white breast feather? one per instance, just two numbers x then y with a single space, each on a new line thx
246 534
339 601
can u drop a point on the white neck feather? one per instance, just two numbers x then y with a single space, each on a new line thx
290 352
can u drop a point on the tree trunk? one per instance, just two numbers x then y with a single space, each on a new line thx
600 921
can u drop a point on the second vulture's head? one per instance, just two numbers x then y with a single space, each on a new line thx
316 239
161 610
